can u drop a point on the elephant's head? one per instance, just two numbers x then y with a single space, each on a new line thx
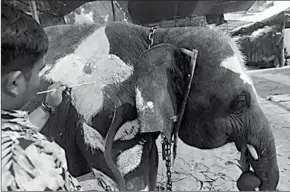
222 106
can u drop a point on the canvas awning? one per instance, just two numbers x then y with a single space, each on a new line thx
146 11
277 16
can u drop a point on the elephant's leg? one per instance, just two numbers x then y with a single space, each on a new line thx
145 175
91 144
148 168
153 162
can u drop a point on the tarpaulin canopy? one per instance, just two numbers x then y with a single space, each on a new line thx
147 11
144 12
53 7
278 17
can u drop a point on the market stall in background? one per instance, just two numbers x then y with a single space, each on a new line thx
264 41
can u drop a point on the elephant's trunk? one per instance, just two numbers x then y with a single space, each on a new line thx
123 113
265 167
117 122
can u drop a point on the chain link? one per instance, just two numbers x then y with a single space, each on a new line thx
166 155
166 144
151 34
103 184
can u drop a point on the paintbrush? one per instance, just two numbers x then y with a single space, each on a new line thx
77 85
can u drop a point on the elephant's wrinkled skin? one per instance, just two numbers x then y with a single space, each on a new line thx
222 105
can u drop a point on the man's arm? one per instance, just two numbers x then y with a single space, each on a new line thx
39 117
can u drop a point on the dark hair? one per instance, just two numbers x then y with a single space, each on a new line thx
23 40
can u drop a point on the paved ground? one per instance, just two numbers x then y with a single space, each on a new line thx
216 170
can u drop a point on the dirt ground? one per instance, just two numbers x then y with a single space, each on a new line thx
216 170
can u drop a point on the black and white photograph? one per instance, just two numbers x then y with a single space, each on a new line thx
145 95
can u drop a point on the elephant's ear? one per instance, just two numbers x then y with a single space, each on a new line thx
161 74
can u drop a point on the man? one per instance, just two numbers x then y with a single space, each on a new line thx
30 162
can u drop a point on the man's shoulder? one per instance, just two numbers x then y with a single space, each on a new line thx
19 135
16 130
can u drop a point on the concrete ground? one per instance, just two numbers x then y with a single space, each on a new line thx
216 170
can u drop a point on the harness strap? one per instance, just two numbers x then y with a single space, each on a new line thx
166 143
183 105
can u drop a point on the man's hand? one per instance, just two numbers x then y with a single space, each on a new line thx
54 98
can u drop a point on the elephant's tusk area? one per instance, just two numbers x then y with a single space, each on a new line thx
253 151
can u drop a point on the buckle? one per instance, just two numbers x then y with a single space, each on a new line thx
46 108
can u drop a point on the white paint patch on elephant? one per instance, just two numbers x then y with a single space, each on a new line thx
128 131
130 159
139 99
107 69
84 18
106 18
97 43
93 138
141 103
150 105
236 65
67 69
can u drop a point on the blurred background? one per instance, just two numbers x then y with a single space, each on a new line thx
262 27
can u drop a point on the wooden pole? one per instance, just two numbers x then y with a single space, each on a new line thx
113 10
121 10
283 36
33 9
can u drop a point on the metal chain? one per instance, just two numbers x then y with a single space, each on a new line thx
103 184
166 155
151 34
166 144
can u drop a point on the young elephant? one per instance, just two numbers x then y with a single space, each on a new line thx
145 94
222 106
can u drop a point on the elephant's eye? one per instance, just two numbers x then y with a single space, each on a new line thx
241 102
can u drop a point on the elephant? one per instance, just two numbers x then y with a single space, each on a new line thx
111 123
